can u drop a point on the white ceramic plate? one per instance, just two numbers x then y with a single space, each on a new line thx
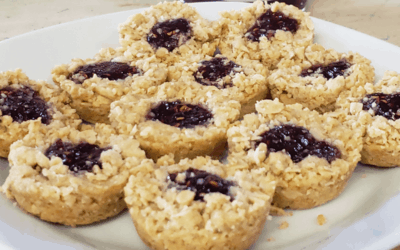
365 216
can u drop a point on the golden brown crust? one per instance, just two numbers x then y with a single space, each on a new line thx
249 83
133 33
48 189
381 142
316 92
216 223
283 44
128 116
61 113
312 181
93 97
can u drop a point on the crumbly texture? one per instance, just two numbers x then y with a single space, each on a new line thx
249 83
93 97
61 113
128 116
312 181
381 142
47 188
166 218
133 32
283 225
316 92
321 219
283 44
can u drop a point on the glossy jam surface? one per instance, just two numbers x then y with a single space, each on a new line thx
268 23
329 71
216 72
111 70
23 104
200 182
386 105
298 143
179 114
170 34
78 157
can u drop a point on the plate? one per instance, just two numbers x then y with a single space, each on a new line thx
365 216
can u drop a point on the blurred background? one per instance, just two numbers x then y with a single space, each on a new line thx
378 18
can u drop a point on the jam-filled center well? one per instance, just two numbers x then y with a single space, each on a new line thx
201 182
170 34
298 142
178 114
330 71
110 70
23 104
386 105
78 157
218 72
268 23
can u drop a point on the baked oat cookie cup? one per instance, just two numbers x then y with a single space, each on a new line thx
312 155
180 118
198 204
243 79
169 30
25 104
96 82
377 107
72 177
266 32
317 80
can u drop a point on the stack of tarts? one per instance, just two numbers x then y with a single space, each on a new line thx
197 142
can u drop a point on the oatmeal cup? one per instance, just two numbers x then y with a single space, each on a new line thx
94 83
312 155
243 80
72 177
180 118
25 103
266 32
198 204
170 31
317 80
377 106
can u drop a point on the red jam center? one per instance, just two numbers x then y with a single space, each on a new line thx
216 72
179 114
200 182
298 142
78 157
329 71
23 104
386 105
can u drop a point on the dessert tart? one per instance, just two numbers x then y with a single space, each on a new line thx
312 155
94 83
317 80
266 32
243 80
25 104
180 118
377 107
72 177
198 204
169 30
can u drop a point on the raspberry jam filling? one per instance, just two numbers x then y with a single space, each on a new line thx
386 105
330 71
217 72
268 23
170 34
78 157
297 142
200 182
23 104
179 114
110 70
